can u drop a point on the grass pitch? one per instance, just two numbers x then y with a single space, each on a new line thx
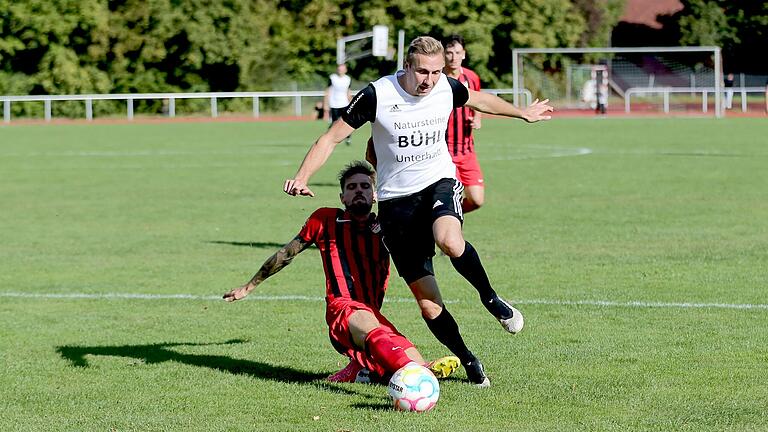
637 250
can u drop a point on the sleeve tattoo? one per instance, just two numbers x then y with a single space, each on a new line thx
280 259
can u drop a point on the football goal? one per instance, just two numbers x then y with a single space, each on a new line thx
643 79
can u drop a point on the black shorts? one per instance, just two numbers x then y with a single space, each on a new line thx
407 225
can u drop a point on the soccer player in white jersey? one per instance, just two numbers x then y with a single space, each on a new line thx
419 195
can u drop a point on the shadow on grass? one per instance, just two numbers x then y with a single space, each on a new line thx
160 353
373 406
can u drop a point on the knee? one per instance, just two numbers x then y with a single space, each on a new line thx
361 323
429 309
452 246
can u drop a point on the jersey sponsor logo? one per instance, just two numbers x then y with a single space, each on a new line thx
420 157
420 123
394 108
376 228
343 220
438 203
418 138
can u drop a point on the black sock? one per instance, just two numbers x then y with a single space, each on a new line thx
469 266
446 330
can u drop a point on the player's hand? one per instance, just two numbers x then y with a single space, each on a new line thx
238 293
475 123
537 111
297 187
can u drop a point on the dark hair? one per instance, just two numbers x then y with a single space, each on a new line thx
356 167
453 40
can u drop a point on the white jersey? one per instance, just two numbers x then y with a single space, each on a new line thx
339 91
408 133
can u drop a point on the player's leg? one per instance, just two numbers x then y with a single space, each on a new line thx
406 224
446 229
442 324
471 176
367 334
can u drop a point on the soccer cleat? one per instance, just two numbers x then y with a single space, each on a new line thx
444 366
476 374
513 324
352 373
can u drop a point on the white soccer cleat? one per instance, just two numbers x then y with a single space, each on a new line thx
513 324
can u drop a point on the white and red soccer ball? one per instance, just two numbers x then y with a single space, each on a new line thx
414 388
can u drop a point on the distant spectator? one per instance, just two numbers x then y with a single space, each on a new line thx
601 88
589 93
337 96
728 84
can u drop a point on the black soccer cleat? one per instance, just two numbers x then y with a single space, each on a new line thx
476 374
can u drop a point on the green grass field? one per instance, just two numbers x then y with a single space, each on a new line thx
637 250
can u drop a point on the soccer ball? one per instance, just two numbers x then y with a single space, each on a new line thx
414 388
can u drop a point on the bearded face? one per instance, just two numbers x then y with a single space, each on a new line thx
358 195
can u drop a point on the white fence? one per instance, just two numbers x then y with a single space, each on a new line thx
705 92
214 97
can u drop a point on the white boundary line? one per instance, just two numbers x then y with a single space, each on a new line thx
601 303
553 152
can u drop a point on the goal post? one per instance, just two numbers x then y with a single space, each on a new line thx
560 73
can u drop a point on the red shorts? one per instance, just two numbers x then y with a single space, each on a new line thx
468 169
337 315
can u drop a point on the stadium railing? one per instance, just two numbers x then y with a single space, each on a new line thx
172 97
705 91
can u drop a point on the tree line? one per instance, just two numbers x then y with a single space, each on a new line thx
124 46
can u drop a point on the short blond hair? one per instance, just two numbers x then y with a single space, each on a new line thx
424 45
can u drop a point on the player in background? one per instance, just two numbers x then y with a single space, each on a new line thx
337 95
356 265
418 193
463 120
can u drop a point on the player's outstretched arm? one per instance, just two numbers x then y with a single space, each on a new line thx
274 264
492 104
316 157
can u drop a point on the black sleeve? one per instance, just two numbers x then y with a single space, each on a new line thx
460 92
362 108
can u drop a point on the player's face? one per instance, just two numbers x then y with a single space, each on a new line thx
422 74
358 194
454 55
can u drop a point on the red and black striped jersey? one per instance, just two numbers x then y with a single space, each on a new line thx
459 133
355 261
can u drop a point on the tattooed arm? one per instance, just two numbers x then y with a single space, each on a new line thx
274 264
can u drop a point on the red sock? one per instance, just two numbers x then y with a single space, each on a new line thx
384 351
